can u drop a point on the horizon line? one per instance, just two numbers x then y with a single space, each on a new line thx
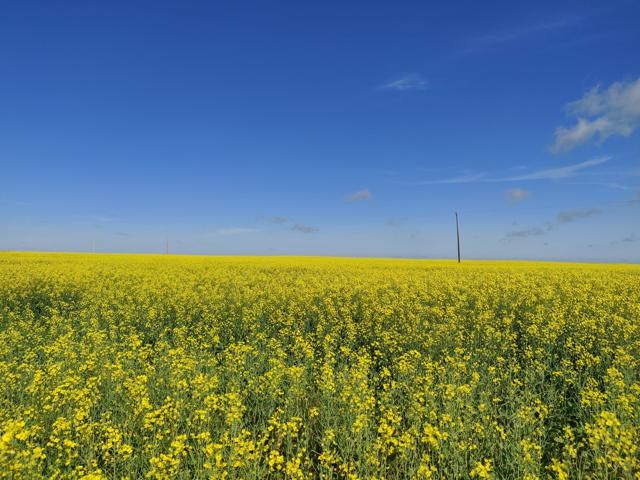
343 257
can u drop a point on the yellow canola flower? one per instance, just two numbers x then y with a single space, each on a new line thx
148 366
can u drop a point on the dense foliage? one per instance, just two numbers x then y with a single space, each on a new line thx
194 367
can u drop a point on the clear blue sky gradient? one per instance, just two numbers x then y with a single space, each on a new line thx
321 128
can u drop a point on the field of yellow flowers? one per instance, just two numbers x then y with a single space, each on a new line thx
125 366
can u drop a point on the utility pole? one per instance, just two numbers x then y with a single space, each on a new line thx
167 249
458 236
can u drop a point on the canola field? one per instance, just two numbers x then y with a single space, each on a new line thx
162 367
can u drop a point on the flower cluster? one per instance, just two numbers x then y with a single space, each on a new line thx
162 367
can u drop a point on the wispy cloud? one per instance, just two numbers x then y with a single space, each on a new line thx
96 218
529 232
565 216
233 231
395 221
631 238
516 194
601 114
299 227
413 81
557 173
611 185
572 215
471 178
296 227
545 174
510 35
359 196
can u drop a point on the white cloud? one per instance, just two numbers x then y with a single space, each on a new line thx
601 114
412 81
360 196
516 194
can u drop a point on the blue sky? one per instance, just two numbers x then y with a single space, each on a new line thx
324 128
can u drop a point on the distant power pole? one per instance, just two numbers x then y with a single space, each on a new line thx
167 249
458 236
